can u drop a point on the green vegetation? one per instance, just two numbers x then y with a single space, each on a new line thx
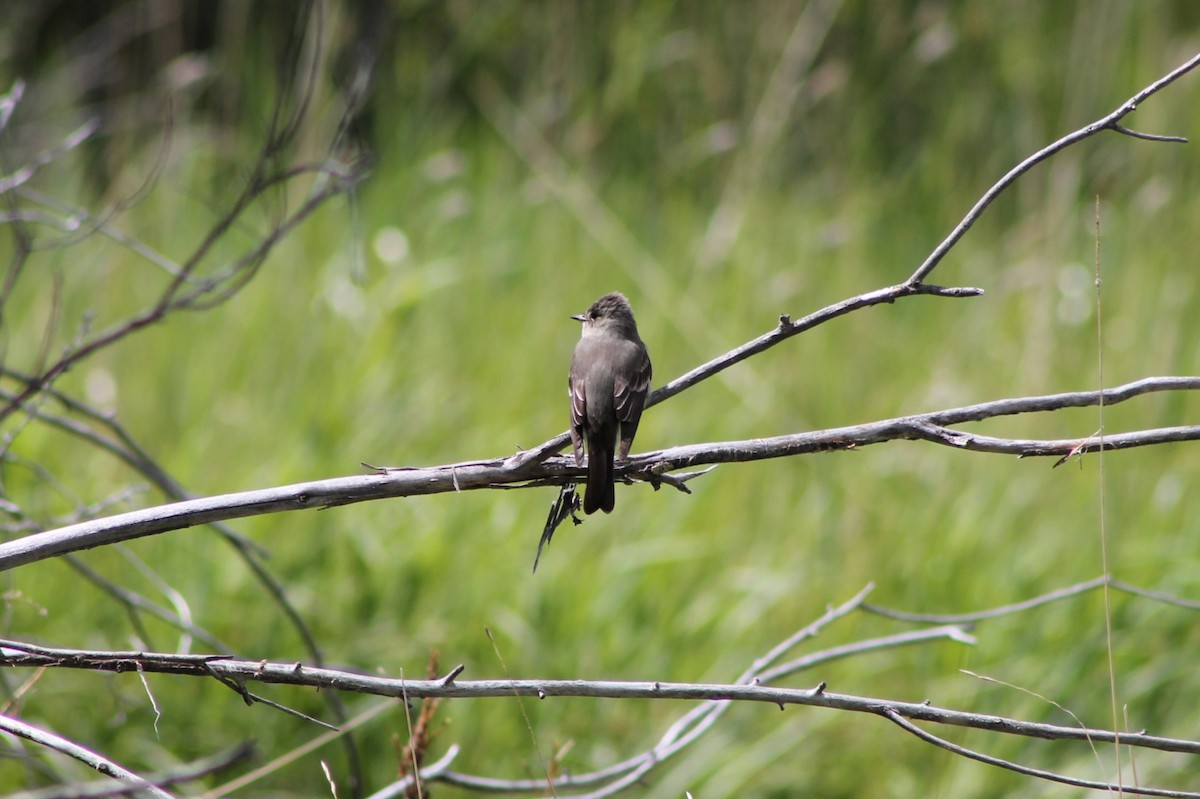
448 340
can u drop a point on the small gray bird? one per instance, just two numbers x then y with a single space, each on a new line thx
609 384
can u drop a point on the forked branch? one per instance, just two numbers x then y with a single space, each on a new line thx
756 684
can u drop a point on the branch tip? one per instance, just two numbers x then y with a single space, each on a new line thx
454 672
1147 136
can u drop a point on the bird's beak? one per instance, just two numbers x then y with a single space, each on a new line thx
579 317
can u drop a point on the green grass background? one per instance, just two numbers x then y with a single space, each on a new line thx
458 350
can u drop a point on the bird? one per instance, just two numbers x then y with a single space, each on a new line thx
608 385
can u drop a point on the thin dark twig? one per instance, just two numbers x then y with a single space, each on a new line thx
135 602
72 140
1104 123
1149 136
83 755
202 297
99 790
238 686
1020 607
1028 771
1160 596
991 613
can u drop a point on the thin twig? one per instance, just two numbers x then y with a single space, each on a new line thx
100 790
1028 604
891 715
74 750
1108 122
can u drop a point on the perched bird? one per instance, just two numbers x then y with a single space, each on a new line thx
609 384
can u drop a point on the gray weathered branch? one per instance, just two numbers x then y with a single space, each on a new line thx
390 483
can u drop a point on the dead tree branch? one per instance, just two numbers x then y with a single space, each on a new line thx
100 790
1029 771
391 483
80 753
753 685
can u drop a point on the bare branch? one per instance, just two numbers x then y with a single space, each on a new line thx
1020 607
992 613
1160 596
1028 771
70 142
1108 122
1149 136
74 750
210 291
685 731
239 688
8 102
135 602
434 771
788 328
472 475
17 653
99 790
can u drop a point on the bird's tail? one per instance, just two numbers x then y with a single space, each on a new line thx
601 491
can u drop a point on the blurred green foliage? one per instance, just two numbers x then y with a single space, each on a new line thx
426 322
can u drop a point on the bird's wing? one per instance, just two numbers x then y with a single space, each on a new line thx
578 415
630 395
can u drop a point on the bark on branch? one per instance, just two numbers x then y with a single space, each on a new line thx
517 471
